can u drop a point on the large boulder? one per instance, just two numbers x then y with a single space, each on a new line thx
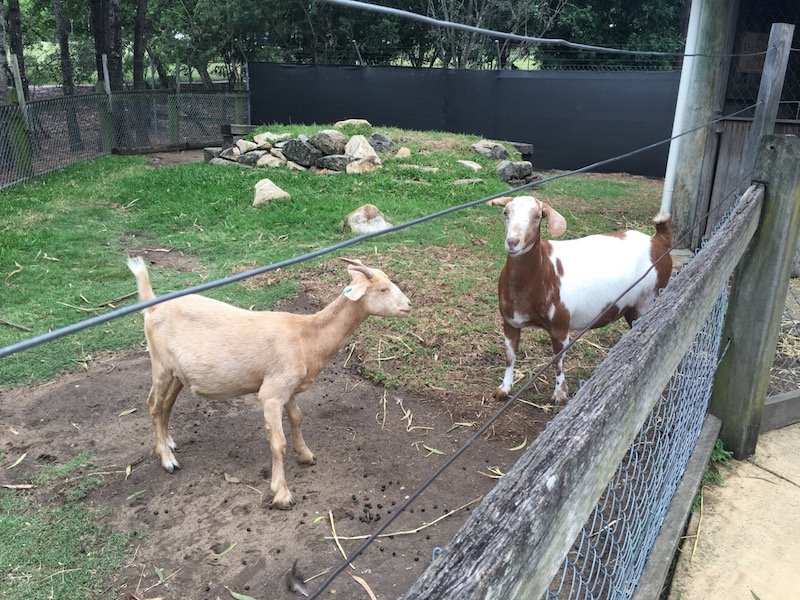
329 141
352 122
490 149
358 147
381 143
268 160
300 151
266 191
334 162
366 219
514 170
364 165
230 153
246 146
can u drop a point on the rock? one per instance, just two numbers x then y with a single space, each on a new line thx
364 165
266 191
245 146
251 158
490 149
211 152
278 153
366 219
381 142
271 138
268 160
472 165
403 153
223 162
353 122
329 141
511 170
424 168
358 147
230 153
467 181
300 151
320 171
334 162
294 166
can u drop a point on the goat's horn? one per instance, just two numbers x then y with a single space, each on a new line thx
357 265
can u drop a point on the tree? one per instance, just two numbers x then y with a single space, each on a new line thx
657 25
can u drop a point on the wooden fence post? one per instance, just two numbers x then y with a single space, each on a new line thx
758 298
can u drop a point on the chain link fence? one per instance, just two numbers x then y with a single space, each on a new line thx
785 374
46 135
609 555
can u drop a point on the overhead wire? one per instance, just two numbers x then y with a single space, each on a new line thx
445 464
126 310
386 10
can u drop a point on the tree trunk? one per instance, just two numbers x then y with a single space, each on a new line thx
205 76
96 10
3 63
67 83
114 43
163 78
15 39
139 26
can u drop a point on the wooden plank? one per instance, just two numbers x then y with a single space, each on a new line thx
769 92
780 411
659 561
514 542
758 299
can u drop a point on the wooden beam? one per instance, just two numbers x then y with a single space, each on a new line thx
780 411
758 299
769 93
514 542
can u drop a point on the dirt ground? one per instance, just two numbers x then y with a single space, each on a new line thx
207 527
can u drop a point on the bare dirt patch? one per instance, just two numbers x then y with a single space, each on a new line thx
138 243
207 527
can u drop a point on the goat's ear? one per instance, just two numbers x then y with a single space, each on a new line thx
556 223
355 290
501 201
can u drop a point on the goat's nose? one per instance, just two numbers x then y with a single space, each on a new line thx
512 243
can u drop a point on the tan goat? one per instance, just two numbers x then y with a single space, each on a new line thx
220 351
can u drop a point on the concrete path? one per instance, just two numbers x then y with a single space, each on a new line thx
745 543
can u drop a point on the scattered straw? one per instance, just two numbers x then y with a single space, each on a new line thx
360 581
336 539
412 531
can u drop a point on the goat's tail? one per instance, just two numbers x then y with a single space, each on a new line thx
138 267
663 223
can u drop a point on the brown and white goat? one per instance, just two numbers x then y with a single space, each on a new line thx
573 284
220 351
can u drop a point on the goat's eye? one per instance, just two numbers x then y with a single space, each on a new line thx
385 290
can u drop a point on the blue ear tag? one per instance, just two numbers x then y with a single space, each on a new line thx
346 290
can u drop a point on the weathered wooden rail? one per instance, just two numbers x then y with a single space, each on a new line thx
513 543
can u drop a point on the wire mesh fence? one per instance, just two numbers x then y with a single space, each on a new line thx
785 373
50 134
609 555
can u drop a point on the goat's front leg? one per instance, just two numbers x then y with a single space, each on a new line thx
561 393
304 454
511 344
273 412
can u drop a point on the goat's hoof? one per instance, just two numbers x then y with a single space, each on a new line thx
170 465
560 398
282 501
500 394
307 460
171 443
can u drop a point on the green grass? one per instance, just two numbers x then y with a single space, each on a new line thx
64 236
50 545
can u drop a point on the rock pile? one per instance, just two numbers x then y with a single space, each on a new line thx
326 151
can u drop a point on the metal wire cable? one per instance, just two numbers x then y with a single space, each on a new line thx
513 36
126 310
445 464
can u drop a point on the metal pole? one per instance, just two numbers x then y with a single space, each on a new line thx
20 92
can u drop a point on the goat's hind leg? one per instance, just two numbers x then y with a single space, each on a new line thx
273 413
304 454
162 396
561 392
